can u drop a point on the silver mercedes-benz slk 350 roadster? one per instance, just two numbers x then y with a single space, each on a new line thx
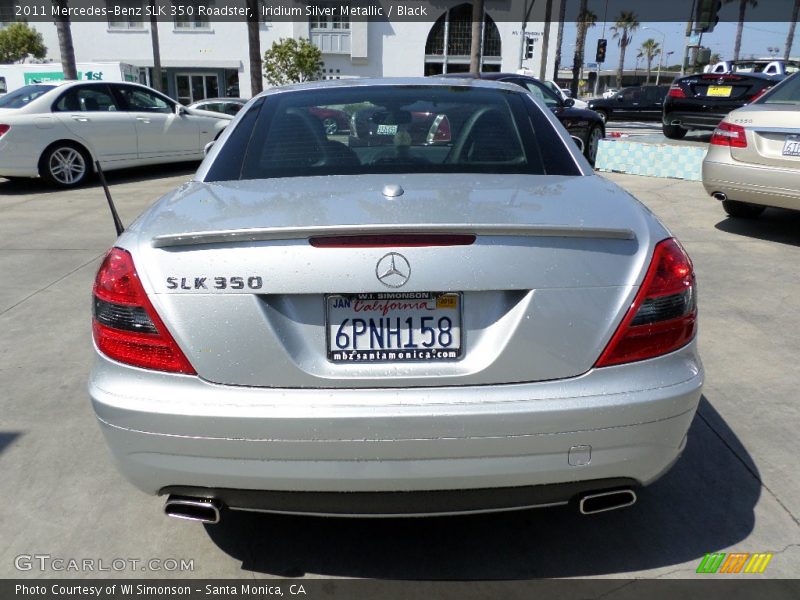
441 310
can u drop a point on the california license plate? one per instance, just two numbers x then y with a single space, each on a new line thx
719 91
791 147
394 327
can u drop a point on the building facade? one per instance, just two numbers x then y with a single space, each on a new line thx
203 58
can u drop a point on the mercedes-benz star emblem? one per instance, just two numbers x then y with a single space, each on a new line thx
393 270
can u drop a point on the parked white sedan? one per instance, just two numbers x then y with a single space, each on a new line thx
57 130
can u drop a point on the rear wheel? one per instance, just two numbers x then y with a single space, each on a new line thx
592 143
330 125
674 132
742 210
64 165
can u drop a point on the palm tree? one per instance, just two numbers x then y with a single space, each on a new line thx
790 35
649 50
623 30
740 26
254 45
562 12
64 30
548 15
155 81
586 19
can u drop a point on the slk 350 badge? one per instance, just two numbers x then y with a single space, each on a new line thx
215 283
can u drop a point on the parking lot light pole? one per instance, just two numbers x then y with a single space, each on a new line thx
660 54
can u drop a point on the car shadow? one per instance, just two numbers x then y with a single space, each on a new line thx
7 438
774 225
22 186
704 503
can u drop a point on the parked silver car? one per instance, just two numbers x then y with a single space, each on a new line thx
753 159
471 323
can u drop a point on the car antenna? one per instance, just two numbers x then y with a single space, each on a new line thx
114 214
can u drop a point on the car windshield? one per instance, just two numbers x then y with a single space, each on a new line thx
24 95
392 129
786 93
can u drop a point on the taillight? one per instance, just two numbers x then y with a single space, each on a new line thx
663 316
675 91
727 134
755 97
3 129
126 327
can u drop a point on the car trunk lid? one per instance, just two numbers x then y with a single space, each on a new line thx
773 135
542 273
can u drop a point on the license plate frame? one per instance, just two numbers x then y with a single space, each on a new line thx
719 91
791 139
413 349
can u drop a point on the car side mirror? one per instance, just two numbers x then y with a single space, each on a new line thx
569 102
578 142
619 98
180 110
207 147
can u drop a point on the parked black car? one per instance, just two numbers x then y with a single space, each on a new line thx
586 125
640 103
702 101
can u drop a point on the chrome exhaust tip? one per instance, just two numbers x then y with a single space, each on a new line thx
204 510
591 504
719 196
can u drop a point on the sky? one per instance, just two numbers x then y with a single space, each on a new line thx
756 38
766 25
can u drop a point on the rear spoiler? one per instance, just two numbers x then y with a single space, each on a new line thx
268 234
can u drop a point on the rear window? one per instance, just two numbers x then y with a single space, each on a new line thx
787 92
393 129
24 96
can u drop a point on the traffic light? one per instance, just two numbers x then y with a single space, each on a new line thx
600 57
707 15
529 47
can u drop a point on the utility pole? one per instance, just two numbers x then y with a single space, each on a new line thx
689 29
477 29
522 37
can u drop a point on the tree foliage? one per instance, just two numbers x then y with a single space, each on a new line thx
586 19
649 50
292 61
627 23
18 41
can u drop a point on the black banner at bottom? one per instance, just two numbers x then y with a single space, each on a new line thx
710 587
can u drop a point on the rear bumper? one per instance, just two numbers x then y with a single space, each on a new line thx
18 157
609 424
403 504
692 120
756 184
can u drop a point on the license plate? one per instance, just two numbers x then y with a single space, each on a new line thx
720 91
394 327
791 147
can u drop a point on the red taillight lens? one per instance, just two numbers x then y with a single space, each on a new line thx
755 97
3 129
126 327
663 316
727 134
675 91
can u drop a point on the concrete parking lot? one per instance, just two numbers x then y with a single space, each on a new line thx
736 488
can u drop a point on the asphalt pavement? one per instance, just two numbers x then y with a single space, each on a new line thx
735 489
